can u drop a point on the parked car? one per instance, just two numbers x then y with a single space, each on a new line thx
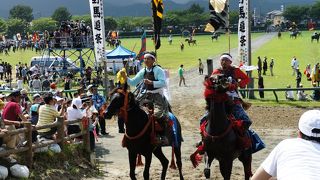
50 63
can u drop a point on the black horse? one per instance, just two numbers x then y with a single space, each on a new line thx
279 35
294 34
315 37
139 131
215 36
193 41
220 139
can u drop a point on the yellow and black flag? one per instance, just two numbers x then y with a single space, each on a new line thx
157 9
218 16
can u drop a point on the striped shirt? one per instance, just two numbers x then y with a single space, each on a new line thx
47 115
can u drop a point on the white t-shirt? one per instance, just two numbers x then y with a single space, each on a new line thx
73 114
20 84
294 159
1 69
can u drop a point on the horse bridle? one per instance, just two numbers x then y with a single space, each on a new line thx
124 114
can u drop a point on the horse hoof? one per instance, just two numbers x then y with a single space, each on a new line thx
207 173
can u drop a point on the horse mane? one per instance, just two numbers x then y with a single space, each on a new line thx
131 99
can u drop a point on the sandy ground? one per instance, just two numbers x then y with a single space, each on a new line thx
273 124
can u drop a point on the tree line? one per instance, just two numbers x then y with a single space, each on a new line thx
21 19
299 13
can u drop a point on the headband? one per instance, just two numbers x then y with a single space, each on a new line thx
226 56
148 55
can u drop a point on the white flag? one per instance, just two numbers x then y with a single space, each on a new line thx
97 17
243 32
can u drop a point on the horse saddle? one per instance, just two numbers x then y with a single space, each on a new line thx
163 128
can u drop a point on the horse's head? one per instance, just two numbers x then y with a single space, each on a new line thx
120 100
216 87
217 83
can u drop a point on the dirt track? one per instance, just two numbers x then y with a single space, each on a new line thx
273 124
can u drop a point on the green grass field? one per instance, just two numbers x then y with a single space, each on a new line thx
282 50
170 56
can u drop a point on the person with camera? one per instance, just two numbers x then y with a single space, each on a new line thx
237 78
48 114
13 117
296 158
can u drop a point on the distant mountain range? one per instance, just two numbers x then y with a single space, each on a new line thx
44 8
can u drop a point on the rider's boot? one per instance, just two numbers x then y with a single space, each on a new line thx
245 105
164 134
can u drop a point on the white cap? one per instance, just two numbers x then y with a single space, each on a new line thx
2 95
90 86
36 95
77 102
58 98
309 122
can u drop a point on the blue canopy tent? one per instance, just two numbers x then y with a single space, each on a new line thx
116 57
120 53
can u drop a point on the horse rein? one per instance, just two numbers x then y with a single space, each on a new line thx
218 136
124 114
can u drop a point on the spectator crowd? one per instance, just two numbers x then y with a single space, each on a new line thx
41 109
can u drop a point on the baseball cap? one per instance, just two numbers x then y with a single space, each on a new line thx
23 91
91 86
309 123
58 98
36 96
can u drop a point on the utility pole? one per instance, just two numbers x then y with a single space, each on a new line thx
251 84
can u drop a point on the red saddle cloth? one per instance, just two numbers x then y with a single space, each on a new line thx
238 126
243 139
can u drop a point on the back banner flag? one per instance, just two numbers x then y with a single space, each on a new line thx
143 46
243 32
218 16
157 9
97 17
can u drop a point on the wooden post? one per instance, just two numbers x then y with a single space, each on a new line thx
29 152
86 136
209 66
60 131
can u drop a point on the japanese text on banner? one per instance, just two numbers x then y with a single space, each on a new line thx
97 16
243 32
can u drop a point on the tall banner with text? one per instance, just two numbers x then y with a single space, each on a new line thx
243 32
97 17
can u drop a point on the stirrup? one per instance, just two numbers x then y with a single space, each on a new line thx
246 105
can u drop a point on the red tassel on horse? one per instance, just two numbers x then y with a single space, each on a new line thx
124 142
139 160
196 158
173 163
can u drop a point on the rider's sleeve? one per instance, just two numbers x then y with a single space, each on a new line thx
137 79
244 79
216 71
160 76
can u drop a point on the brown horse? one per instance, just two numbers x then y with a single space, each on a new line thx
220 139
139 134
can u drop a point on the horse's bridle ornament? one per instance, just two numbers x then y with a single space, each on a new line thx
124 114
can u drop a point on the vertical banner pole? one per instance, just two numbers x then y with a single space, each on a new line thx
98 30
244 34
